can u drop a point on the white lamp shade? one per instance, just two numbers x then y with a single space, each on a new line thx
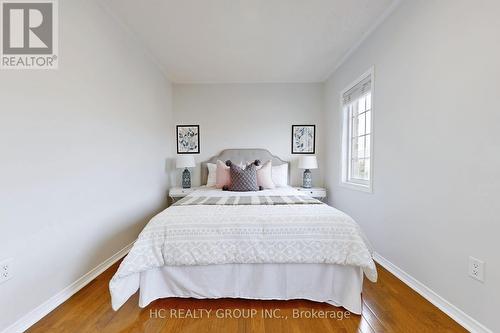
308 162
184 161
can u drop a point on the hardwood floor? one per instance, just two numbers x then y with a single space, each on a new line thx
388 306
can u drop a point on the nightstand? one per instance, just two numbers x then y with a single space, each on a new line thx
176 193
315 192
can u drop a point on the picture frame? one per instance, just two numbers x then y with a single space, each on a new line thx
188 139
303 139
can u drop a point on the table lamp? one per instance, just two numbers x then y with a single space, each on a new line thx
307 163
185 161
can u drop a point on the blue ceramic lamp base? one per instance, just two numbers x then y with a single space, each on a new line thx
307 179
186 179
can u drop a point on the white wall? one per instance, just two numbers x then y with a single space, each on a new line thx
83 153
436 125
251 116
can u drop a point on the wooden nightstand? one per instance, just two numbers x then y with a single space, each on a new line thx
315 192
176 193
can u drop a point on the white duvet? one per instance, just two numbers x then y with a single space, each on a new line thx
249 234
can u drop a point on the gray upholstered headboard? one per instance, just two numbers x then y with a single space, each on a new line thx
242 155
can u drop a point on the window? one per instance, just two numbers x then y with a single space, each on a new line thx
357 135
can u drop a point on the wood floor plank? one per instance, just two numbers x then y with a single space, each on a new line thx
388 306
372 320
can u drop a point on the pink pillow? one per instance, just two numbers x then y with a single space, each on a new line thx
264 175
222 175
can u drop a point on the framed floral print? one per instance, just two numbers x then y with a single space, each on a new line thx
303 139
188 139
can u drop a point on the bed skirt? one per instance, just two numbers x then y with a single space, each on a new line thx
338 285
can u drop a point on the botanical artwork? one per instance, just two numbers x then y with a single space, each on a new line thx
303 137
188 139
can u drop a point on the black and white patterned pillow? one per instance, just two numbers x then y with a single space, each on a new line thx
242 180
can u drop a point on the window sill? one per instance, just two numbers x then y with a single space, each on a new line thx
357 187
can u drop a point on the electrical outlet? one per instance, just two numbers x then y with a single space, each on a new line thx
476 269
6 270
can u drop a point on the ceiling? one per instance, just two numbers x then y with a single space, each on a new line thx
225 41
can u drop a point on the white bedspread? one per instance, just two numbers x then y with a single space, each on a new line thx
251 234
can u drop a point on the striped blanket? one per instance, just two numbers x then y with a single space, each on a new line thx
248 200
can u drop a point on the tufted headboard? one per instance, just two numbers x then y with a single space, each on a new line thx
242 155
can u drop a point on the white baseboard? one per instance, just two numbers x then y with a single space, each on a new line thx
45 308
451 310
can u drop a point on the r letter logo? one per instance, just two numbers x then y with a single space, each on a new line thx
29 34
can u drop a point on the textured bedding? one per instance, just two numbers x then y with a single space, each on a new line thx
259 233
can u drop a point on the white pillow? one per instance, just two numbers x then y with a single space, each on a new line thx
280 175
212 173
264 175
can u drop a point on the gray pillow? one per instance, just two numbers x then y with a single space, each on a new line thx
242 180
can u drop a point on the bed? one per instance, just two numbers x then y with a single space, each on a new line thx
271 244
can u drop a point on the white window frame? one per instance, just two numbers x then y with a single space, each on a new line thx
346 138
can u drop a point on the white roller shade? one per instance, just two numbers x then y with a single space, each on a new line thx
360 89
